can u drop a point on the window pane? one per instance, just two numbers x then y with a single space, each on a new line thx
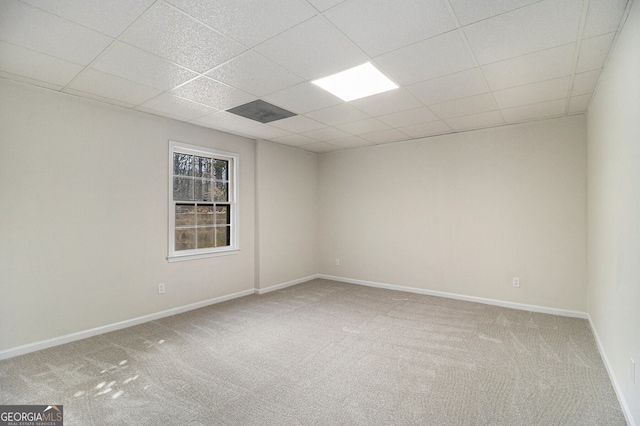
205 237
221 191
203 167
185 215
222 215
202 194
205 216
203 190
221 169
182 164
185 239
223 236
182 188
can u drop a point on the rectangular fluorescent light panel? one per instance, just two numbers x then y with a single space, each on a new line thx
355 83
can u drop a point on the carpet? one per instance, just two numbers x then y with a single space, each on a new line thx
327 353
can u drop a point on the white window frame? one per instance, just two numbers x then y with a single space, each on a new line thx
234 247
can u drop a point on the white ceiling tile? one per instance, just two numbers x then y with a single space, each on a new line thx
364 126
100 98
297 124
594 52
427 129
409 117
539 66
532 28
526 50
254 74
579 104
313 49
320 147
265 131
435 57
176 107
380 26
112 87
476 121
387 102
201 123
603 16
249 21
585 82
469 11
174 36
385 136
294 140
27 80
43 32
35 65
465 106
323 5
213 93
534 111
533 93
351 142
326 134
226 120
338 114
303 98
239 132
136 65
450 87
108 17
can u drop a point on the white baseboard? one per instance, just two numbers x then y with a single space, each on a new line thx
32 347
614 381
504 304
285 285
532 308
44 344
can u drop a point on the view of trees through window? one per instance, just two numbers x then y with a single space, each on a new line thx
202 207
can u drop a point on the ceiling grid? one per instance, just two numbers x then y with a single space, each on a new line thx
460 64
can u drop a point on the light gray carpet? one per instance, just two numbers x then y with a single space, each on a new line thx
327 353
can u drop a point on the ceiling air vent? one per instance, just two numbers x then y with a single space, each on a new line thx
261 111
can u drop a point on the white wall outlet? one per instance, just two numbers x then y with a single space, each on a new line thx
337 262
161 288
516 282
633 371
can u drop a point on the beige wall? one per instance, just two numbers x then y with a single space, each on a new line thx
83 216
83 203
614 209
287 191
463 213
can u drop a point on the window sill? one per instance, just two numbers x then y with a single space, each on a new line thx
196 256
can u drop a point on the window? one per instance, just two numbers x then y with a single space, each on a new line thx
202 202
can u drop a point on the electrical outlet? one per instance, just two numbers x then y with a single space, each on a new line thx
633 371
337 262
161 288
516 282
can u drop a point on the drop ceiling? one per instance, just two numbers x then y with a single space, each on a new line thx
460 64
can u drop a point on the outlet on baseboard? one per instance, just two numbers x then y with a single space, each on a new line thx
161 288
516 282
